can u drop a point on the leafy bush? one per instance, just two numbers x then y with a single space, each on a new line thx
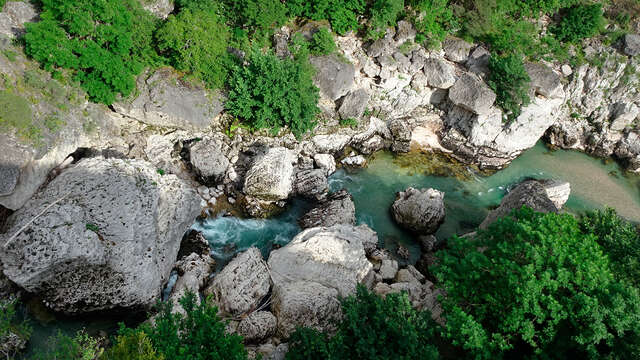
351 122
433 20
132 345
80 347
372 328
199 334
322 42
272 93
260 17
579 22
186 40
106 43
9 326
384 14
342 14
619 239
510 81
534 285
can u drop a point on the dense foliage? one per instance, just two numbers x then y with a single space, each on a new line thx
132 345
322 42
534 285
79 347
510 81
195 40
433 20
271 93
11 326
619 239
371 328
342 14
579 22
105 43
383 14
257 17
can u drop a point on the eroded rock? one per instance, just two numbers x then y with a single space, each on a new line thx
421 211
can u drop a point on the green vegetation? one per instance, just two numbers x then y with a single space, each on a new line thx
92 227
510 81
383 14
371 328
579 22
535 286
105 43
342 14
15 113
272 93
187 42
79 347
322 43
135 345
433 20
351 122
9 324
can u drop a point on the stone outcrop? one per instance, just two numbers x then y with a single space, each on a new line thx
334 76
270 177
311 183
540 195
209 160
455 49
193 271
631 44
338 208
325 162
420 211
241 285
472 94
354 104
165 99
439 74
108 239
258 326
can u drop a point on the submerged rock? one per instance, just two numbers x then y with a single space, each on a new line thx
540 195
108 239
241 285
420 211
338 208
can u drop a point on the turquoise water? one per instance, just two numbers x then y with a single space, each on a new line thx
594 184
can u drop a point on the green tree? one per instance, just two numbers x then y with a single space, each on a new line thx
510 81
131 344
322 42
272 93
258 17
197 335
579 22
195 40
383 14
371 328
79 347
105 42
433 20
342 14
534 285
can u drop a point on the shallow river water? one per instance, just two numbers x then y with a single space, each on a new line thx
468 197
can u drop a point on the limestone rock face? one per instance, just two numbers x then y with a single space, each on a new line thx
331 256
195 269
439 74
419 210
167 100
13 17
109 241
326 162
543 80
257 326
472 94
629 151
533 194
338 208
456 50
311 183
13 158
334 77
209 161
331 143
354 104
631 44
271 175
242 284
306 304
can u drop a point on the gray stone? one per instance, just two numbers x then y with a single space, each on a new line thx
380 47
13 159
325 162
305 304
334 76
280 353
428 242
330 143
332 256
405 32
420 211
478 62
165 99
404 275
371 145
159 8
628 150
354 161
401 133
557 191
622 115
208 160
338 208
354 104
631 43
311 184
108 240
281 43
472 94
456 50
439 74
257 326
242 284
194 270
13 17
402 62
388 269
415 273
271 175
530 193
544 81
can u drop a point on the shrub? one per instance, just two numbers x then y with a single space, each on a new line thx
322 42
510 81
433 20
260 17
351 122
106 43
186 40
579 22
371 328
272 93
9 326
534 285
80 347
132 345
619 239
199 334
383 14
342 14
